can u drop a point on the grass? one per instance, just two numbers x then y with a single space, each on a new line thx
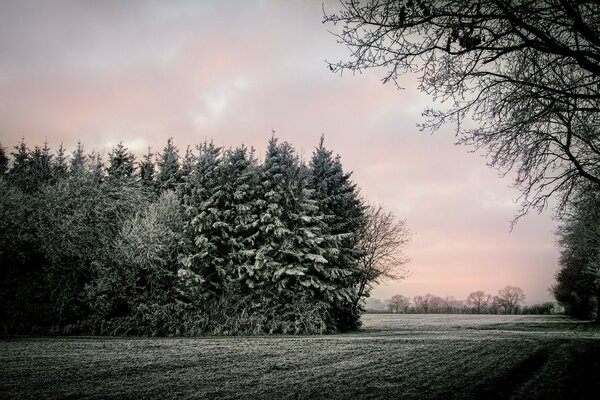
394 356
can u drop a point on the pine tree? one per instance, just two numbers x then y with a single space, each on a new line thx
337 198
121 163
78 160
19 173
147 169
294 246
187 164
203 258
239 216
59 166
3 161
168 176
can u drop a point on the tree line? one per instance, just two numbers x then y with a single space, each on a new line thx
211 241
509 300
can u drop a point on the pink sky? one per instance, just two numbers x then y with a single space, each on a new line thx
143 71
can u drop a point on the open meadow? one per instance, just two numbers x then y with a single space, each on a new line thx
393 356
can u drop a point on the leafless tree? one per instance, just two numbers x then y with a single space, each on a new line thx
520 80
381 241
398 303
510 298
479 300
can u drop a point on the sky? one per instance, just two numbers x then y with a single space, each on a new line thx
235 71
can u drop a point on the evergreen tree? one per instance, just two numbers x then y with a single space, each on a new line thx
96 166
240 180
121 163
59 166
187 165
40 169
203 258
168 176
147 169
3 160
291 259
20 172
338 200
78 160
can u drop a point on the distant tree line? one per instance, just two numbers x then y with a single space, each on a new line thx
509 300
211 241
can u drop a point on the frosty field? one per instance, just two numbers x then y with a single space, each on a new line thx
394 356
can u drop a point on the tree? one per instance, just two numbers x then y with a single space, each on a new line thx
577 284
338 201
382 238
3 160
398 303
59 166
121 163
510 298
479 300
78 160
168 167
147 169
524 74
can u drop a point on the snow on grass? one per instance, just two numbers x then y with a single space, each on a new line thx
395 356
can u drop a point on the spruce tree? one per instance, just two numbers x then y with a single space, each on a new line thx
19 174
147 169
59 166
187 165
294 246
3 160
203 258
239 216
78 160
121 163
337 198
168 176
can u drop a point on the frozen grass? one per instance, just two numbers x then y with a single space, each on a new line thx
394 356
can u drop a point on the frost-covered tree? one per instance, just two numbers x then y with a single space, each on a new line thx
3 160
141 276
19 174
343 212
59 166
294 244
120 163
201 194
146 169
78 160
239 219
168 176
187 164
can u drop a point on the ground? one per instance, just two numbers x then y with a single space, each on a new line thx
393 356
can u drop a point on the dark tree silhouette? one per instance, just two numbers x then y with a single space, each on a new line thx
520 79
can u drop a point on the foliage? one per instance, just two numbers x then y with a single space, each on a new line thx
221 244
577 285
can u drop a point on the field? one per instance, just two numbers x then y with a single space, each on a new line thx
394 356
